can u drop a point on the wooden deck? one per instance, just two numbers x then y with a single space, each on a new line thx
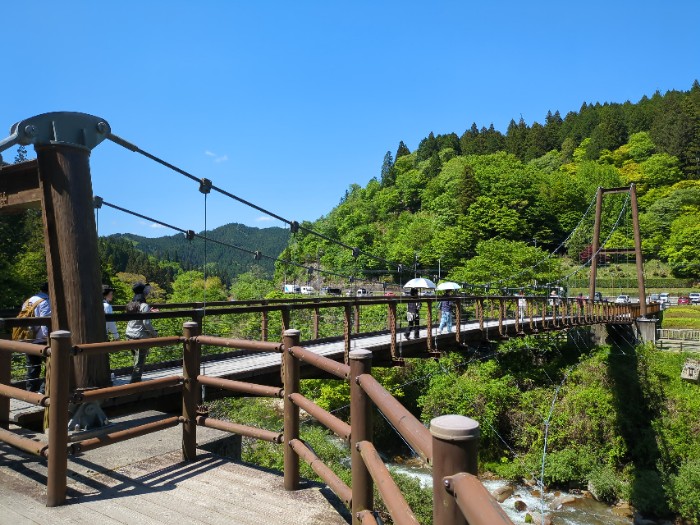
144 481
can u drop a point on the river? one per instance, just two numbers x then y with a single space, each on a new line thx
581 511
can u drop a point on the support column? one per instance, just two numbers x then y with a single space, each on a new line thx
58 418
595 244
638 252
190 390
360 430
291 411
455 449
63 141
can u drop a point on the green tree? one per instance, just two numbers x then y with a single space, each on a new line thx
683 247
402 150
387 174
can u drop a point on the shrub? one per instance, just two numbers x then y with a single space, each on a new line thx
604 484
685 491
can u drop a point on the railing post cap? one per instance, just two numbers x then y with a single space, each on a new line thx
360 354
453 427
59 334
292 332
190 324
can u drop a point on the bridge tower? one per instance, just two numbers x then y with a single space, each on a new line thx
596 251
59 182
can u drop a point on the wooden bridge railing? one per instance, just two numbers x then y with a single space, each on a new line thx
449 445
497 317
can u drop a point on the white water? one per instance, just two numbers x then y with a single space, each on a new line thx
584 511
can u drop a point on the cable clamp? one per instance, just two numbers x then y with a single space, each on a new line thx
204 185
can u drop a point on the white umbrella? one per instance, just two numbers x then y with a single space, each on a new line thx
448 285
419 282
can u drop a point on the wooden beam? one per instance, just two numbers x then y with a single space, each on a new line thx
19 187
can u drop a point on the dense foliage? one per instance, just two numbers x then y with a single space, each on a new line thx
458 203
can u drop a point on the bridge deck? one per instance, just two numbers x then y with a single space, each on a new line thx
144 481
260 364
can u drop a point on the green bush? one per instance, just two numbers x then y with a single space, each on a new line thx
604 484
685 491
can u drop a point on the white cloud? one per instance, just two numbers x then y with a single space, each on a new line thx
217 158
156 225
264 218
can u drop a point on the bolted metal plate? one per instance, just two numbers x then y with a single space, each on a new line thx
61 127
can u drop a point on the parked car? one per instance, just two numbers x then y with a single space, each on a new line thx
308 290
292 288
622 299
362 292
663 297
654 298
694 297
683 299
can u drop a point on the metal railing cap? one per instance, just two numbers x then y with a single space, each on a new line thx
454 427
360 353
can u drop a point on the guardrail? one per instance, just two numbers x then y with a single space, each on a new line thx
497 317
450 444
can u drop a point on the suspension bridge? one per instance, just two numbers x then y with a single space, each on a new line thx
272 365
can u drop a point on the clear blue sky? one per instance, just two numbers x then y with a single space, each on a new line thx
286 104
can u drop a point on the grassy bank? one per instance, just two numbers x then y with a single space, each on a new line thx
682 317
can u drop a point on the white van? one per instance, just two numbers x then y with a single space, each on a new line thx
308 290
291 288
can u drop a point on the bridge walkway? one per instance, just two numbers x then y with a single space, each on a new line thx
268 364
144 480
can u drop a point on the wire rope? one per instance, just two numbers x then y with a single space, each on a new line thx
191 235
293 224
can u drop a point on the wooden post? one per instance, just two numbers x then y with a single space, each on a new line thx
595 244
63 142
5 379
315 320
455 446
58 418
360 430
190 391
638 252
347 331
263 328
291 411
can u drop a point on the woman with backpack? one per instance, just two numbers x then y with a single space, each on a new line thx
139 328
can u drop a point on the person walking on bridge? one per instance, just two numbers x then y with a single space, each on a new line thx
37 305
446 312
107 297
413 316
139 328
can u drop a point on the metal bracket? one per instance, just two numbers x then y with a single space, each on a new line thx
62 127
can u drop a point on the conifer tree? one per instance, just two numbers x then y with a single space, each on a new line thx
402 150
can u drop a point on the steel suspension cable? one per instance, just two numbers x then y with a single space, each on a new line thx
294 225
191 234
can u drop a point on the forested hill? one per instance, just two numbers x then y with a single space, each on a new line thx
486 206
221 260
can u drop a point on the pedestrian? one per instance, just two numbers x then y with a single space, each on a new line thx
581 301
139 328
445 307
413 315
107 298
37 305
522 307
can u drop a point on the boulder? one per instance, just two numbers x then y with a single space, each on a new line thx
520 505
559 502
503 493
